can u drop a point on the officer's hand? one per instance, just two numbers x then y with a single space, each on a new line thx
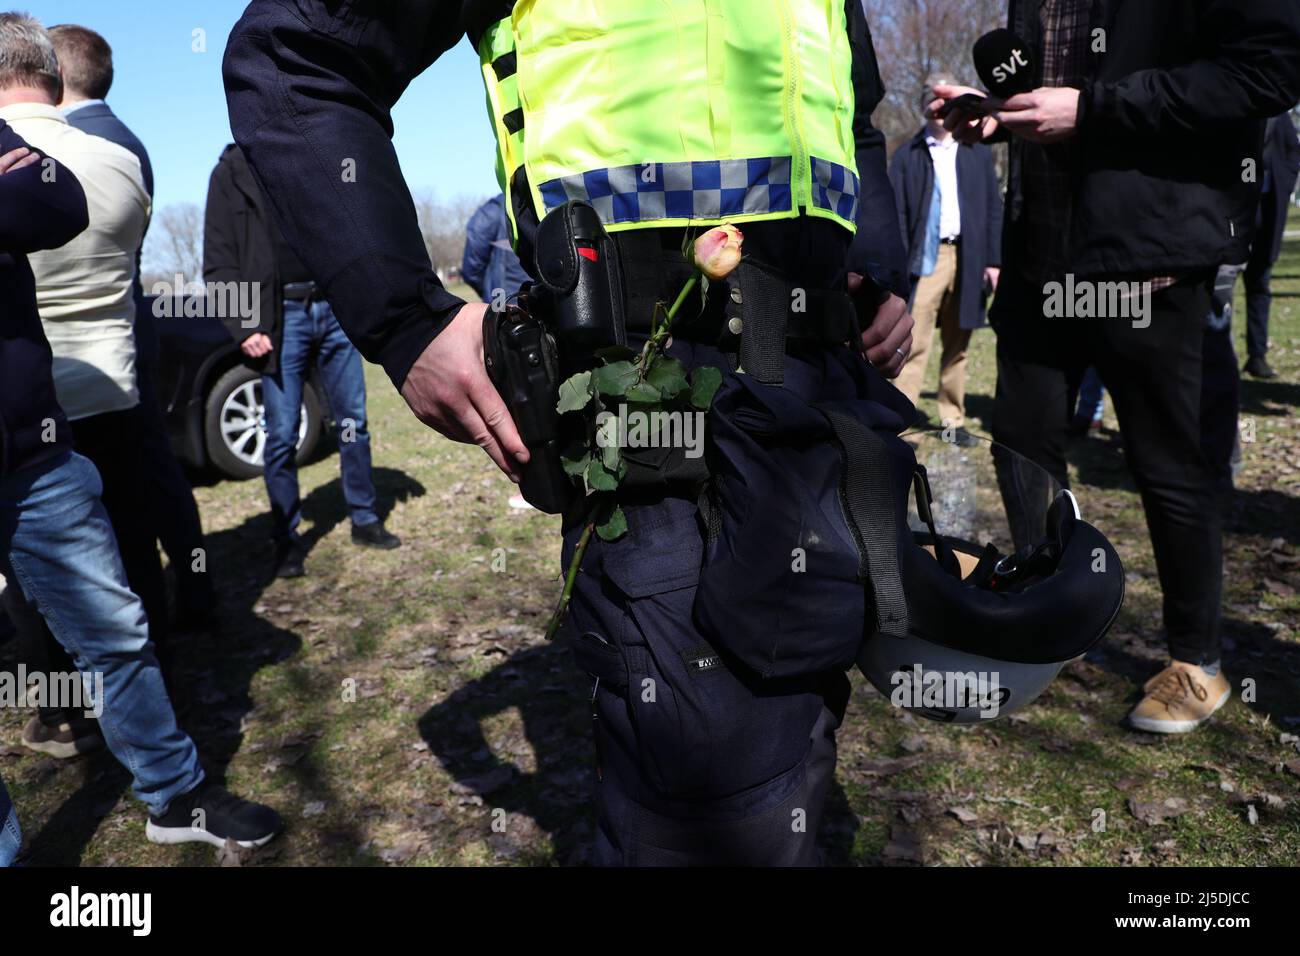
888 340
257 345
449 390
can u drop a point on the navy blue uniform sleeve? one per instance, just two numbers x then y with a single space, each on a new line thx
310 85
42 206
877 249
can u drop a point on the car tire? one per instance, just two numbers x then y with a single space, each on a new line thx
234 431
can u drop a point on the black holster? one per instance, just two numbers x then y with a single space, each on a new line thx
521 361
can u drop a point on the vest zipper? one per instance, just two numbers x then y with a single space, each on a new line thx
800 195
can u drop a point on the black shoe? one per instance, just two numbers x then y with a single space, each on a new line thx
212 814
373 535
1257 367
289 559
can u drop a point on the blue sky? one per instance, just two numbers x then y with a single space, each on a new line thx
172 97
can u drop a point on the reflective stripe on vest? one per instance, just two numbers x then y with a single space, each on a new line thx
680 112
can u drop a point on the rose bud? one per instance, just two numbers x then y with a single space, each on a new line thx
717 252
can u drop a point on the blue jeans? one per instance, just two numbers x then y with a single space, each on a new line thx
57 546
1092 397
11 838
314 334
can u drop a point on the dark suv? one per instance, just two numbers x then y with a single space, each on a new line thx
212 401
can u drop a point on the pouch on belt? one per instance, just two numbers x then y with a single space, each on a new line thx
804 515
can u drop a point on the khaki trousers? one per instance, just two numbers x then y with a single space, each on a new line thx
937 303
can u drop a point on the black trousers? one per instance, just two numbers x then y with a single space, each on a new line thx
1259 299
1154 374
700 762
1221 382
114 444
176 514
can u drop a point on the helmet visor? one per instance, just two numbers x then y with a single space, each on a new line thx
982 492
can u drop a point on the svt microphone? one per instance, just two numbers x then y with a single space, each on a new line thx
1004 64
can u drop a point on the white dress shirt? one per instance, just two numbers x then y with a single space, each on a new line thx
944 156
84 289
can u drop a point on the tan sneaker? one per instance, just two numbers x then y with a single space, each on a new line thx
64 741
1179 699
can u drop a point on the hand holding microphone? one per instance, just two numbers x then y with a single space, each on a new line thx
1004 63
1046 115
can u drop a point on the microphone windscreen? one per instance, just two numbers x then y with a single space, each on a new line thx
1004 64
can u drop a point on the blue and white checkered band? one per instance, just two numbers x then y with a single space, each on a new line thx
835 188
713 190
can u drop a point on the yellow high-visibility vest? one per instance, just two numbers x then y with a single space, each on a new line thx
676 112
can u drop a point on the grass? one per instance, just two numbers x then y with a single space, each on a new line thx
401 708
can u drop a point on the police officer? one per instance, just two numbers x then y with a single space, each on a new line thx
663 117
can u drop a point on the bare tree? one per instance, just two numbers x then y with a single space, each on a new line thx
443 226
915 38
174 245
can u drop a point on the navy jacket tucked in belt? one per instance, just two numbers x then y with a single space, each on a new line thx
980 198
311 85
41 207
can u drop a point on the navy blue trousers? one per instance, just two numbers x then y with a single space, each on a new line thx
700 763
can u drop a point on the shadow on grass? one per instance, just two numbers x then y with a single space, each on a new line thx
545 684
214 672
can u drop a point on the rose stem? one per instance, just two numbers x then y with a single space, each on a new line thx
554 625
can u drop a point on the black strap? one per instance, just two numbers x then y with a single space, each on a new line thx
642 258
943 552
506 65
710 511
765 302
869 500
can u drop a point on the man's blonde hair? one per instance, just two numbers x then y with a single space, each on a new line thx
27 55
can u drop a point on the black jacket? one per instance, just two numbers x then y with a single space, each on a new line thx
980 198
1282 167
37 211
238 246
311 84
1171 111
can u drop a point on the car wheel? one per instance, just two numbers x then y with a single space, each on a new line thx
234 423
